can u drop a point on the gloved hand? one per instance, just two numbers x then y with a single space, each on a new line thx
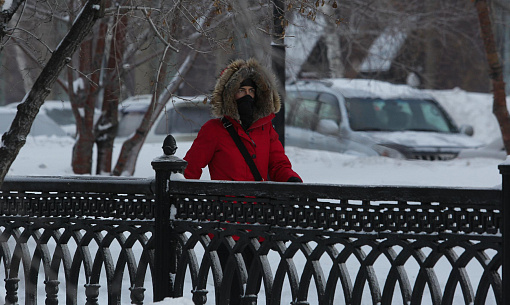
295 179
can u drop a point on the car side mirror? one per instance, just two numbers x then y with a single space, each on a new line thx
327 126
467 129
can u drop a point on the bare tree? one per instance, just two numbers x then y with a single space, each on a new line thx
499 109
164 40
130 37
216 16
14 139
334 50
163 86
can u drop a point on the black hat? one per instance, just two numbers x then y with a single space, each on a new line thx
248 82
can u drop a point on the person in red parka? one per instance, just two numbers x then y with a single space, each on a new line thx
246 95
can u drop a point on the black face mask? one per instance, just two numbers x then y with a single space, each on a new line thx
245 106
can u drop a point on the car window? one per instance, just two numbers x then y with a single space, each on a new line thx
187 118
421 115
293 102
397 115
305 115
329 108
365 114
436 118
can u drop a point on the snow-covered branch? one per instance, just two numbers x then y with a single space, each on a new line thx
14 139
9 8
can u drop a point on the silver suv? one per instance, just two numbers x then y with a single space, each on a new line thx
332 115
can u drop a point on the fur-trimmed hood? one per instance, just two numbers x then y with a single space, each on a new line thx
267 100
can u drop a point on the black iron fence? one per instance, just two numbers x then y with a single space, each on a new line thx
331 244
94 240
76 240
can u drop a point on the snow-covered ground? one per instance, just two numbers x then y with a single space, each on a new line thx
52 156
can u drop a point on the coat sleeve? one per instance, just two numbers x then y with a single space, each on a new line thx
280 168
201 151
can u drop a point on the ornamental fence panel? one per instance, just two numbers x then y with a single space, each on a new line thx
281 243
284 243
76 240
98 240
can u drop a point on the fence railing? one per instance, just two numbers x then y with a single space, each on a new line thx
123 240
281 243
76 240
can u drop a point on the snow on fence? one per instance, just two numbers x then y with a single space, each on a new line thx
125 240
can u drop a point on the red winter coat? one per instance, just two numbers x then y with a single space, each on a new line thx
215 148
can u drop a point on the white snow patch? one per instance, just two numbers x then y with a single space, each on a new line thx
7 5
78 84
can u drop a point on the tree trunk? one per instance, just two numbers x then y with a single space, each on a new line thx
131 147
499 108
83 101
334 50
14 139
106 128
431 50
126 163
82 149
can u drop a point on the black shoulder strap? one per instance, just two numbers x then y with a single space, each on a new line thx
230 128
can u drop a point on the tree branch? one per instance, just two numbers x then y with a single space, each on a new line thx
6 16
14 139
158 33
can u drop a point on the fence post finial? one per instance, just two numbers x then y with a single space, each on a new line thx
165 239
